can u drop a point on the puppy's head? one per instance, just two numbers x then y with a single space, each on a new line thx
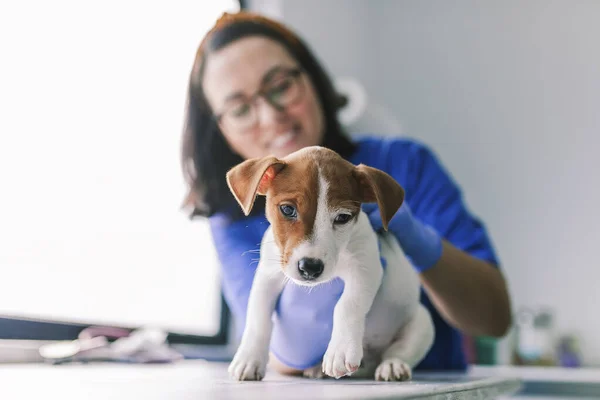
313 200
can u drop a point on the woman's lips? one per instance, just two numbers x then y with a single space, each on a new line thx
285 139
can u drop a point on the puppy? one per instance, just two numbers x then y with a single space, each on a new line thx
318 232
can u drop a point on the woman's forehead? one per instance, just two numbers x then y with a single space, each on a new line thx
241 66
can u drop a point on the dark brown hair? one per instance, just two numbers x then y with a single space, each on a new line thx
205 155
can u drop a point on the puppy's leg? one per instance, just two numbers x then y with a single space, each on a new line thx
250 360
345 350
412 343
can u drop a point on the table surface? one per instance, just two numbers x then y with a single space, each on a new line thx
200 380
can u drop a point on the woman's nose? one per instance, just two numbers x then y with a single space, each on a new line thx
268 114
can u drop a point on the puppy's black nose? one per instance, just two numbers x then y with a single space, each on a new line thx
310 268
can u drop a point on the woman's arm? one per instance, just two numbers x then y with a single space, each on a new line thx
471 294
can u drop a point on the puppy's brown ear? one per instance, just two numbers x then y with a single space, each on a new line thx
377 186
251 178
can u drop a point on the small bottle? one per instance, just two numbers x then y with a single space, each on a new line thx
544 329
534 338
527 349
569 354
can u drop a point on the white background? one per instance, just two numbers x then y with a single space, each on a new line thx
91 102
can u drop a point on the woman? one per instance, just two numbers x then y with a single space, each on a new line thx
256 89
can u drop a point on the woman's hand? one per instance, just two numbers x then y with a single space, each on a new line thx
420 242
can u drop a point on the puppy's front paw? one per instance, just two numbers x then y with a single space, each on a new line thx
248 365
343 357
393 369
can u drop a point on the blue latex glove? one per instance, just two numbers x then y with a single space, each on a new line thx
420 242
304 322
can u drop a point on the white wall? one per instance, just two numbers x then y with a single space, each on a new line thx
507 93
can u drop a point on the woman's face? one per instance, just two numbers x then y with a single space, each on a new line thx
266 105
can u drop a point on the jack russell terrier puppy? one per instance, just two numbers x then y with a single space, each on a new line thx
318 232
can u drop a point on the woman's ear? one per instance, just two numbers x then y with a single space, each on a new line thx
251 178
378 187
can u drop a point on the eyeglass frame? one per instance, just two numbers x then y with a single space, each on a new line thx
293 72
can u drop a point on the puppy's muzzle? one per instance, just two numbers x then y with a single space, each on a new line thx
310 268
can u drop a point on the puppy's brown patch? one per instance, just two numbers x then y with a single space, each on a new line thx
294 181
296 185
344 190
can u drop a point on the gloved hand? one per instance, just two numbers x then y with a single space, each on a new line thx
303 322
420 242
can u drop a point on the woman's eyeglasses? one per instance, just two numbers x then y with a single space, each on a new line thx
283 90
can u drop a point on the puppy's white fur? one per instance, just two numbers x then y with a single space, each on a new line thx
378 321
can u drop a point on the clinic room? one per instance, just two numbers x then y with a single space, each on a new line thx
300 199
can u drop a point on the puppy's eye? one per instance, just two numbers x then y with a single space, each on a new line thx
342 219
288 211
